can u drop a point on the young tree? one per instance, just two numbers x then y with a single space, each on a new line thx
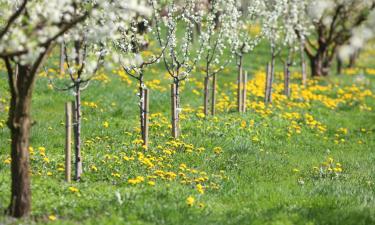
244 42
177 59
291 41
131 45
333 24
270 14
29 33
83 61
214 41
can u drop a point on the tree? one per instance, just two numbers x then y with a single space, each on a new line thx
83 61
244 41
29 33
333 23
270 14
131 45
178 60
214 40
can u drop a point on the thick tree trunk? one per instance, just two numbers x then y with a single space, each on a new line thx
321 62
19 125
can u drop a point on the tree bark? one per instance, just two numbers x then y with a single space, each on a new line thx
77 132
320 64
19 125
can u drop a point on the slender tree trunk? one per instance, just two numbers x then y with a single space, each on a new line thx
142 107
175 132
77 132
19 123
213 96
271 76
353 58
146 113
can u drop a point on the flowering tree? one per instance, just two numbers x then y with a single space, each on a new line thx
333 24
244 41
29 33
178 59
216 37
291 41
131 44
270 14
83 60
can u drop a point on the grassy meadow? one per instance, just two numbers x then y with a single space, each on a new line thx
304 160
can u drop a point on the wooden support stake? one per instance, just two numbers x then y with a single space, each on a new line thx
286 80
239 92
146 115
213 100
68 141
268 79
206 95
244 92
174 111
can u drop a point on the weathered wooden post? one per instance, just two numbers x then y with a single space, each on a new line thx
146 116
239 92
213 97
68 141
206 95
287 79
174 111
268 83
244 92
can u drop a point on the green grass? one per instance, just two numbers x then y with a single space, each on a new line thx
256 180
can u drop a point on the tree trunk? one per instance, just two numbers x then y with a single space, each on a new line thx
19 125
142 107
178 108
303 64
320 63
77 132
339 65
